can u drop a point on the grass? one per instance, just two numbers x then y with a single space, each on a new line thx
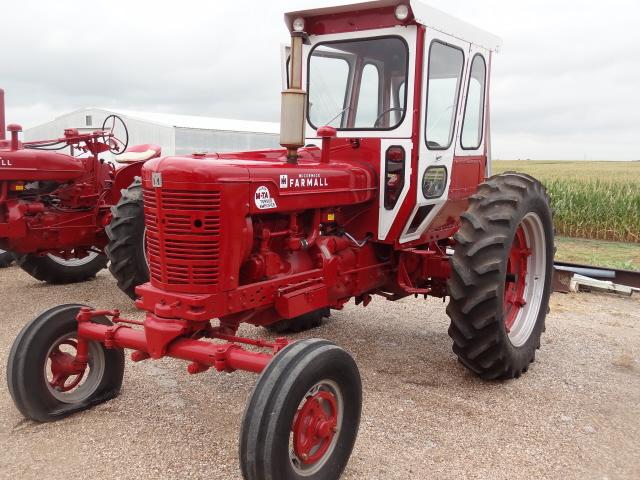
594 200
625 256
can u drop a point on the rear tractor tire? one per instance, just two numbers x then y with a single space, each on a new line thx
300 324
57 270
302 418
6 258
501 276
126 249
44 383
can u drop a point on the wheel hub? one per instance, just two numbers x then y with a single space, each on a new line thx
515 282
64 366
314 427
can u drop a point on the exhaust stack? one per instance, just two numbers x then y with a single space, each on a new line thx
3 127
294 102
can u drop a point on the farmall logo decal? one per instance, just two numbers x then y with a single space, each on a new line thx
303 180
263 198
5 162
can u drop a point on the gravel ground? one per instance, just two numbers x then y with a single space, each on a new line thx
575 414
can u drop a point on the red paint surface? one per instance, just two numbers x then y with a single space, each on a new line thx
370 19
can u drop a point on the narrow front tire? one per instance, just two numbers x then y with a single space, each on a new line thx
302 418
43 381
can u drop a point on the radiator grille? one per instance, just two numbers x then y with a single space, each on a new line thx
183 236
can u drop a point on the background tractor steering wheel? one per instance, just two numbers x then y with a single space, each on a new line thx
388 110
116 135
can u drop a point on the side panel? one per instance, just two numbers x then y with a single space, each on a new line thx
387 217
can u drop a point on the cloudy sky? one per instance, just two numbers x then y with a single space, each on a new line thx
565 86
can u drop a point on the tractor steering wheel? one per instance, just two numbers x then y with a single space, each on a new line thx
388 110
115 142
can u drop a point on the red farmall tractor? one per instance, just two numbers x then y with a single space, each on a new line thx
390 195
54 207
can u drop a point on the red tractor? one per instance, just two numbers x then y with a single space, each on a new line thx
391 195
54 207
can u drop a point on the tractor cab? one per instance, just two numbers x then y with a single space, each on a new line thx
409 83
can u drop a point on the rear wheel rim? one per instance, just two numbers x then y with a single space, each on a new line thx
66 383
73 262
316 428
525 279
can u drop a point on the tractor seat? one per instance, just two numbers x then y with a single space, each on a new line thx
139 153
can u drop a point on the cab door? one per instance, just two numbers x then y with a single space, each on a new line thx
445 68
472 147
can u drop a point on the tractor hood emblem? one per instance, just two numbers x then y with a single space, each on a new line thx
5 162
156 179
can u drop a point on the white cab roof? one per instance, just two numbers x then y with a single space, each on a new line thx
424 14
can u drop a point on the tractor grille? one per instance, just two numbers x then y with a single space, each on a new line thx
183 236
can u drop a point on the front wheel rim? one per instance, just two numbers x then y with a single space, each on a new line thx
67 382
525 279
316 427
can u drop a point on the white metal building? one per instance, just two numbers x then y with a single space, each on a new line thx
176 134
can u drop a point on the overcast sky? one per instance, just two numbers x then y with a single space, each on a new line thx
566 84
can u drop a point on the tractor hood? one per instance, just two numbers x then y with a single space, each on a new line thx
30 165
267 179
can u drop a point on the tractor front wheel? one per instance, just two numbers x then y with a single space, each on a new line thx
501 276
46 382
302 418
126 248
57 270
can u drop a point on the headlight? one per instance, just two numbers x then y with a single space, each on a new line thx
298 24
434 181
402 12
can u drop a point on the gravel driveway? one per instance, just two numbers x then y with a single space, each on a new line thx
575 414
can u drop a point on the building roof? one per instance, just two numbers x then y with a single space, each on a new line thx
190 121
424 14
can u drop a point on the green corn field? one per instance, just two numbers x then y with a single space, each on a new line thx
597 200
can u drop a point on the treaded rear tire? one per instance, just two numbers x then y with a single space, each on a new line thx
45 269
126 240
6 258
479 267
300 324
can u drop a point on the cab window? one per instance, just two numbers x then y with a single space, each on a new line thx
474 109
357 84
443 88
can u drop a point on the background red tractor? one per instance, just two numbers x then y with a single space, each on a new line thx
390 196
54 207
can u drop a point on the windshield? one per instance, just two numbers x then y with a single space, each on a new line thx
358 84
